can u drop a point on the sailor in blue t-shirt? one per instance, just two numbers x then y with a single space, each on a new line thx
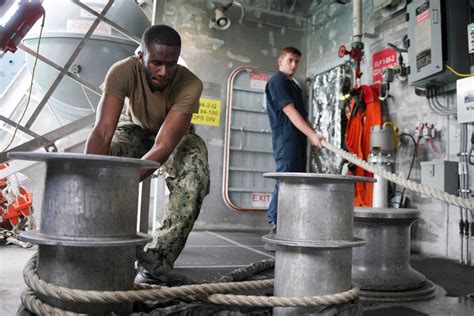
288 120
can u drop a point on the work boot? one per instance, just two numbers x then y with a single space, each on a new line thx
268 246
163 277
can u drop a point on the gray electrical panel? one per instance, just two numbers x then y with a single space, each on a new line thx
437 37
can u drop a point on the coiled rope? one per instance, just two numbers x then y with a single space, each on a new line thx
411 185
143 292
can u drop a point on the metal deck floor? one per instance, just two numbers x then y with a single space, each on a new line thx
210 254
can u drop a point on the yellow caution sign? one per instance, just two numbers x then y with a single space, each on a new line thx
209 112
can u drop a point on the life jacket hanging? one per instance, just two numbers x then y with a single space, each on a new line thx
365 113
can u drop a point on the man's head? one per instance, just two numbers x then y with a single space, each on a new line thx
159 55
289 60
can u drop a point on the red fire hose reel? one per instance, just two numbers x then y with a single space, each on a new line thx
19 24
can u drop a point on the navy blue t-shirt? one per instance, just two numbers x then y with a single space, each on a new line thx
288 141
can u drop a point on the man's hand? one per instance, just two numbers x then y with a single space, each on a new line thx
316 140
303 125
174 127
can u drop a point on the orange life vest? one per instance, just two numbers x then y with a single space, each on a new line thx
366 112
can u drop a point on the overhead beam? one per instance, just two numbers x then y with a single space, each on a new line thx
48 139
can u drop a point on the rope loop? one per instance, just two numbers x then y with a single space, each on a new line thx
207 292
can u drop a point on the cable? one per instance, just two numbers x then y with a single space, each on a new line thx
412 161
447 109
76 69
31 85
469 160
437 107
432 105
85 94
457 73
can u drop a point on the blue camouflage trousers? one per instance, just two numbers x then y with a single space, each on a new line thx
188 181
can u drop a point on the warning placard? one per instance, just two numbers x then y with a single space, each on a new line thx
380 61
423 39
261 200
258 80
209 112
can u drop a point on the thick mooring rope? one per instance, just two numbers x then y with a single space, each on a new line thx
36 306
272 301
411 185
143 292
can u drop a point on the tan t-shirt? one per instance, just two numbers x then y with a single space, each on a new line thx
126 80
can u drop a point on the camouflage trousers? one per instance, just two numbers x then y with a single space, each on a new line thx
188 182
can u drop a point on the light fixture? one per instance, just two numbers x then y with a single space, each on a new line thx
7 11
16 19
221 21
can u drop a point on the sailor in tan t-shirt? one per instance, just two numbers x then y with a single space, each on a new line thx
160 98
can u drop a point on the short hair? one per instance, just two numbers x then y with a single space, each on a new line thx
160 34
290 50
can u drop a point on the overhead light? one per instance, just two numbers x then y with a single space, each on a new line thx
7 11
16 19
221 21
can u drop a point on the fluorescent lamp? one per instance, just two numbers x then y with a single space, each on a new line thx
9 13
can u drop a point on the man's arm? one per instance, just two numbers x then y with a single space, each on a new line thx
173 129
108 114
302 124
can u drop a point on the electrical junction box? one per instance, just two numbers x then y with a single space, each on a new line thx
465 99
437 37
441 175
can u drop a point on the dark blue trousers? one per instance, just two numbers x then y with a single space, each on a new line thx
291 164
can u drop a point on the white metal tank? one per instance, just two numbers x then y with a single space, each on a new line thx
65 25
